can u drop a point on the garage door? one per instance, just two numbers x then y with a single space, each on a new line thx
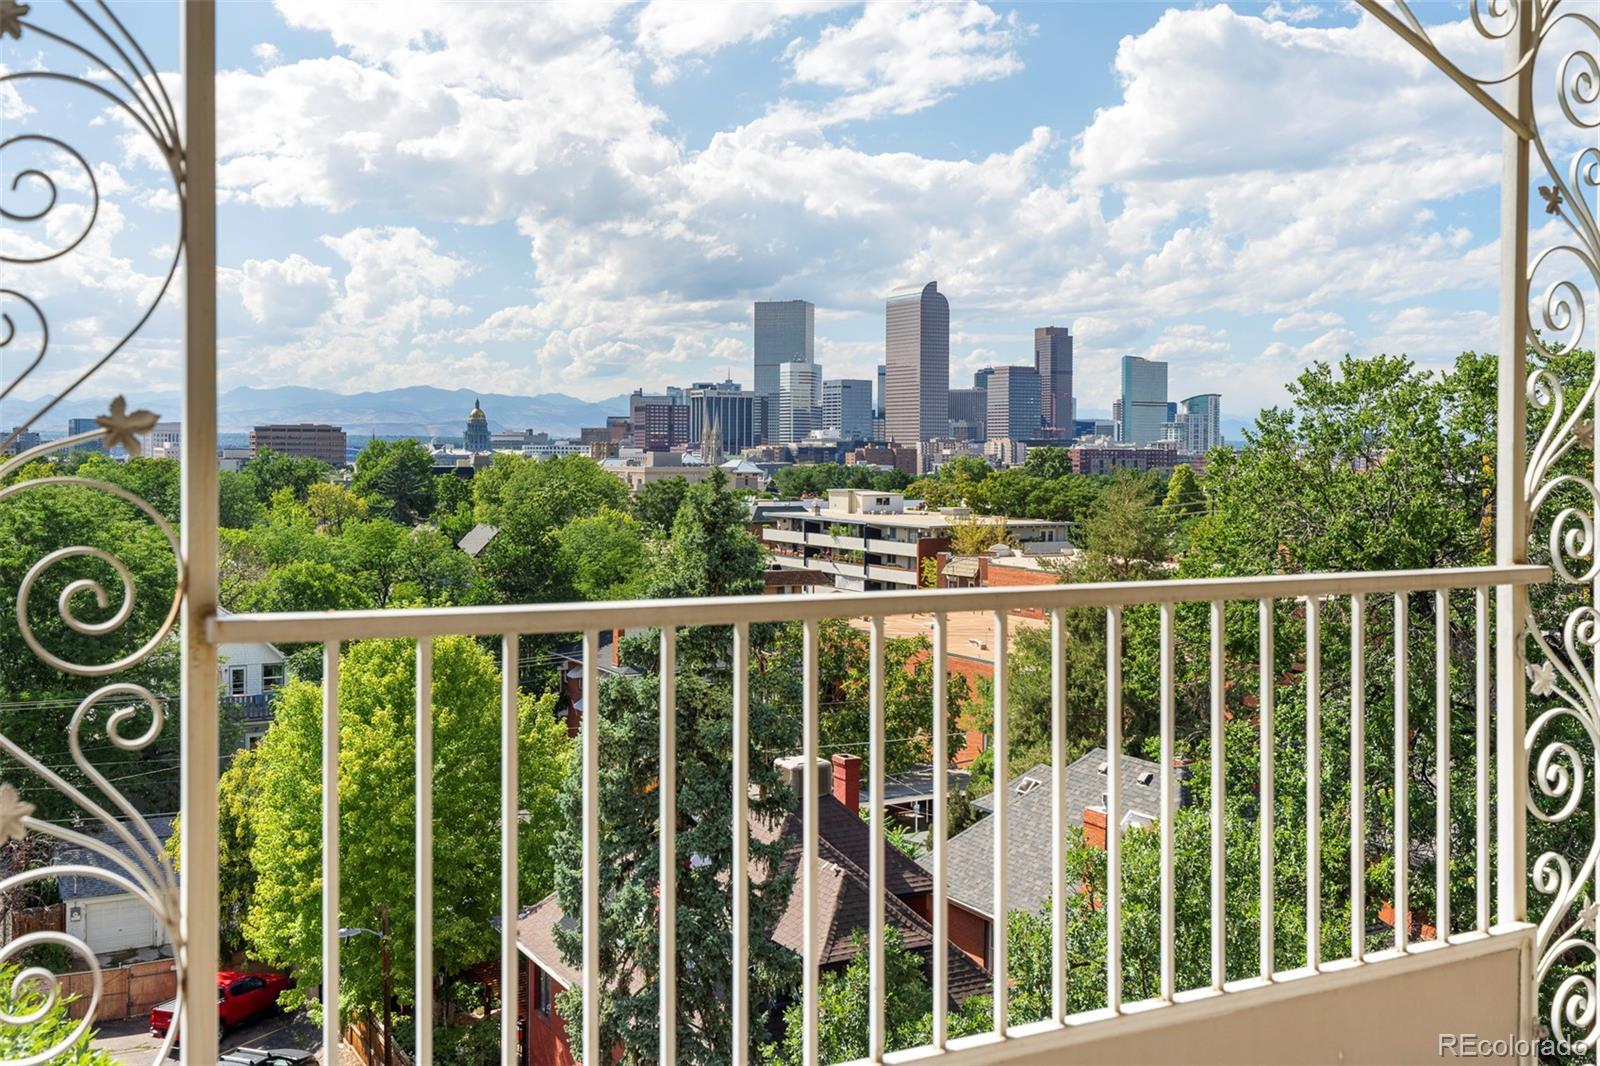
117 924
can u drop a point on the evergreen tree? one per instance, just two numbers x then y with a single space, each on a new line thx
711 553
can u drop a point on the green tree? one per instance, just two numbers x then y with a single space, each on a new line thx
1184 499
332 506
656 504
237 505
372 554
711 553
530 501
376 789
20 999
606 555
272 472
396 480
305 587
843 1001
1125 538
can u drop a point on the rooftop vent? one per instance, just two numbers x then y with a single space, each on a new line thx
1026 785
1146 777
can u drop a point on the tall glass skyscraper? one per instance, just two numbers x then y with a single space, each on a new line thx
785 332
917 345
1052 357
847 407
799 401
1013 408
1144 400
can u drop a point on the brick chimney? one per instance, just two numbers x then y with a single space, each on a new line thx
847 780
1094 827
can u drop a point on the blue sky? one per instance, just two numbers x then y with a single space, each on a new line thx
586 198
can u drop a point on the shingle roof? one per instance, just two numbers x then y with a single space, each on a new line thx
971 852
78 887
843 899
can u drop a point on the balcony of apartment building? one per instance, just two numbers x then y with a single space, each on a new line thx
1258 956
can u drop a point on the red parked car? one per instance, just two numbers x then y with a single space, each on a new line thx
241 997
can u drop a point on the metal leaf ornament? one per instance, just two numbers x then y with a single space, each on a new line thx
124 427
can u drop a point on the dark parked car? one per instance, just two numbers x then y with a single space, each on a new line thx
278 1056
269 1057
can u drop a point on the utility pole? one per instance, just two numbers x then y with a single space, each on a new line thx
388 1018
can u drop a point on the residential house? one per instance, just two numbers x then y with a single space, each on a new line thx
1028 821
250 675
99 913
844 847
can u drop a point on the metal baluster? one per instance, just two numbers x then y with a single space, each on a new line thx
941 828
1219 793
424 854
741 844
875 956
1002 786
1482 797
589 740
331 1028
510 742
1313 782
667 774
1441 717
1265 814
1169 810
810 956
1058 816
1114 808
1402 793
1358 777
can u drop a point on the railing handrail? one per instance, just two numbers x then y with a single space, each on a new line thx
544 618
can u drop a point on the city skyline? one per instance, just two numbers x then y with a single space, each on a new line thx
624 244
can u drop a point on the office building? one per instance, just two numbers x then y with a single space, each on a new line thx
1052 358
477 438
847 408
917 343
799 401
877 406
1144 400
980 378
660 421
1107 458
969 414
76 426
785 332
727 407
1014 400
307 440
1198 426
20 440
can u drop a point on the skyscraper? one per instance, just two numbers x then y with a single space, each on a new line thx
727 407
877 406
785 332
1200 423
1013 409
1144 399
847 407
969 414
917 345
799 396
1052 358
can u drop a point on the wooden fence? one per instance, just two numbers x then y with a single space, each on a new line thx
24 920
125 991
365 1038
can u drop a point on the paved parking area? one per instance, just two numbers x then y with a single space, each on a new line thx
130 1042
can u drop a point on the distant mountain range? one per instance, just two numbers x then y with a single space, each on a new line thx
418 410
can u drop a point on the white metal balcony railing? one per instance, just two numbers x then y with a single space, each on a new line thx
1526 476
510 623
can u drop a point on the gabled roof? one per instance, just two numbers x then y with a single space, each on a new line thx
971 851
843 899
80 887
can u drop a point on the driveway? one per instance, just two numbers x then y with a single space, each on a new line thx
130 1042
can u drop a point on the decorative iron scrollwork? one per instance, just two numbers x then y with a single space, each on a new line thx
130 855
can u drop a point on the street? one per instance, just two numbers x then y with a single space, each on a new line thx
130 1042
